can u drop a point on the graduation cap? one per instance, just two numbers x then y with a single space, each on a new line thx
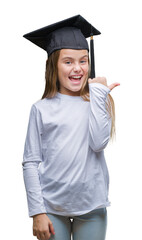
70 33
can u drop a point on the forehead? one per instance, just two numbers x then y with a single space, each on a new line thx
73 53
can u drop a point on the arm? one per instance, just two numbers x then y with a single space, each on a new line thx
42 225
99 120
31 158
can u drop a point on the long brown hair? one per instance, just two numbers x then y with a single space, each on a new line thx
52 86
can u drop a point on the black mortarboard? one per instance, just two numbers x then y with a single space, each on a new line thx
70 33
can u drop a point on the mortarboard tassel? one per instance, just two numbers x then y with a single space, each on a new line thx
92 57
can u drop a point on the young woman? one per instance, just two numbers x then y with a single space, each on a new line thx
65 172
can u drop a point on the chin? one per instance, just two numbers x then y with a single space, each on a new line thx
75 89
75 92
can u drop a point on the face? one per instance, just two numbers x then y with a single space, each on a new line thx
72 70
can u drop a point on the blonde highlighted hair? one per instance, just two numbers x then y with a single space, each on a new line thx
52 86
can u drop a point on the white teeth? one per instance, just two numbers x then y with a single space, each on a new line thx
76 77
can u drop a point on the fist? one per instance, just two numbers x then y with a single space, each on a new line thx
42 226
103 81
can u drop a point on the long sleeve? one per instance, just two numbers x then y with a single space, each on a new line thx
99 120
31 158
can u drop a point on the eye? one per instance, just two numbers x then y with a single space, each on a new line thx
68 62
83 61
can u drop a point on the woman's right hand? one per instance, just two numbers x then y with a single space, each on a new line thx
42 227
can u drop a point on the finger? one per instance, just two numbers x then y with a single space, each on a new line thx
44 236
113 85
38 236
47 235
51 228
34 233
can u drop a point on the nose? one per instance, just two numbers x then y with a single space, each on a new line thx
77 67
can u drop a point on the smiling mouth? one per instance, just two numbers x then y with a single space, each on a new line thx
75 78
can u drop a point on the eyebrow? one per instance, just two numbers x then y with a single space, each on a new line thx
73 58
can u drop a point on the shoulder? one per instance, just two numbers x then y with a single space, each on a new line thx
39 103
43 104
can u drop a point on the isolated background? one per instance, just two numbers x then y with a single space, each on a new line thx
118 53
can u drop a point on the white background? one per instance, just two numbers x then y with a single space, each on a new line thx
118 53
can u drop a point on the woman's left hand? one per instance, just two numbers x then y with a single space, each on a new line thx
103 81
